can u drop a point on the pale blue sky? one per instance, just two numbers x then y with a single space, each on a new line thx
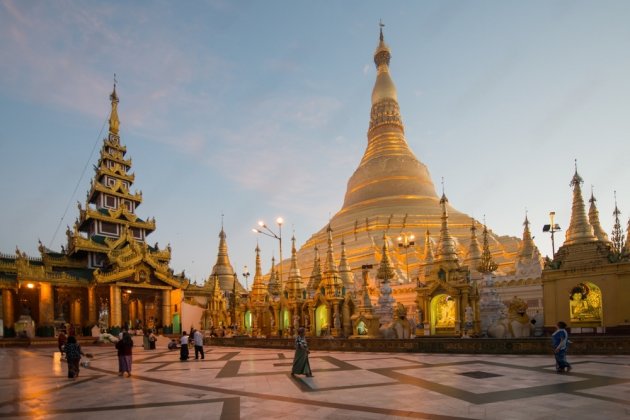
260 109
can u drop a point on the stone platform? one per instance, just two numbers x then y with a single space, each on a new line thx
254 383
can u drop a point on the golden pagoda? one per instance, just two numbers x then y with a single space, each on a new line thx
392 193
107 275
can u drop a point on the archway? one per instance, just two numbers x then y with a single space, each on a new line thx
321 319
285 319
442 314
248 321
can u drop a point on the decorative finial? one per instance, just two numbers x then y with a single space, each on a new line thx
382 25
221 220
115 80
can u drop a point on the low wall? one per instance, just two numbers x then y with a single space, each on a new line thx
534 345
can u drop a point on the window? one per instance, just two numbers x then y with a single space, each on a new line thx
110 181
137 233
98 260
110 201
109 228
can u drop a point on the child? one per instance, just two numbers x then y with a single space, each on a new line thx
560 340
73 356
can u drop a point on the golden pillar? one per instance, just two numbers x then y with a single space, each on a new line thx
91 306
166 307
141 311
115 306
46 307
7 308
133 312
75 312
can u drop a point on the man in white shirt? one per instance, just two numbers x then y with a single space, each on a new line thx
198 339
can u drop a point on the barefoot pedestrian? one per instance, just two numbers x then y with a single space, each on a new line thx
301 366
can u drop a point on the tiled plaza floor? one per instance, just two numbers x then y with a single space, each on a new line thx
255 384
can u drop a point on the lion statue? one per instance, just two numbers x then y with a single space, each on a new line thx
400 327
517 323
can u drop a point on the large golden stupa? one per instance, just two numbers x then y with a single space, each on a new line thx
391 195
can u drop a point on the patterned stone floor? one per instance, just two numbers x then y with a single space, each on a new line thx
255 383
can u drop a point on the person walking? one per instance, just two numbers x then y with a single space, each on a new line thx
198 340
73 356
124 347
560 340
183 351
301 366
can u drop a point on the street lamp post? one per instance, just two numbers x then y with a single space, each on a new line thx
552 228
405 241
246 275
264 229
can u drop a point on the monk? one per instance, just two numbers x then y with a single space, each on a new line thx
301 365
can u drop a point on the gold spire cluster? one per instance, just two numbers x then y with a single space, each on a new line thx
487 264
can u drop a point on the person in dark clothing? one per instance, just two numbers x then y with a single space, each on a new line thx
73 356
124 347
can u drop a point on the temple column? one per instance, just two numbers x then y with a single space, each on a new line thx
115 305
166 308
140 312
75 311
7 308
91 303
133 312
46 307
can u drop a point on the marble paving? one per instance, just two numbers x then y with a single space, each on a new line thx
232 383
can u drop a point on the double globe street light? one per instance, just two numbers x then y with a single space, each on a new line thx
264 229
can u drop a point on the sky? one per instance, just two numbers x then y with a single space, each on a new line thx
247 110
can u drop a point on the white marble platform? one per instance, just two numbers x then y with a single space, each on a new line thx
255 384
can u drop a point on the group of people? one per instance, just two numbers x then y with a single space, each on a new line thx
197 339
301 366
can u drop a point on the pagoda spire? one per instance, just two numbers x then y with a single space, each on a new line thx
593 218
274 283
528 247
294 283
331 280
474 250
114 122
387 156
316 274
580 230
385 270
223 268
447 250
428 248
344 269
259 291
487 264
617 239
